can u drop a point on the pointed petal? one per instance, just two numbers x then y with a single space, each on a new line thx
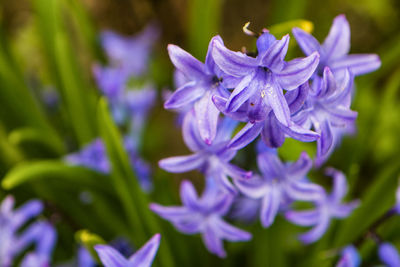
190 133
296 98
264 42
26 212
225 129
223 182
316 232
231 233
305 191
243 91
238 115
303 218
182 163
337 43
145 255
189 195
222 203
341 116
210 63
358 64
169 213
233 63
306 41
270 205
213 242
184 95
299 133
276 100
110 257
344 210
246 135
207 117
325 142
274 57
272 134
298 71
328 85
339 184
254 187
186 63
270 165
301 167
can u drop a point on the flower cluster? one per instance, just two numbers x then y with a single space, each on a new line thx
13 243
307 99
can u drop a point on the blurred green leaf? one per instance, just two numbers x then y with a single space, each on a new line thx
286 27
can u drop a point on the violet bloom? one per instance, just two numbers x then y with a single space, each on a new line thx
279 183
144 257
212 160
349 257
132 54
326 108
204 215
262 79
389 255
334 51
202 83
13 242
326 208
397 206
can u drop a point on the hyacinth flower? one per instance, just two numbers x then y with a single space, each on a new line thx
204 215
203 82
327 108
132 54
389 254
212 160
329 206
263 78
144 257
349 257
334 51
261 119
245 209
13 242
279 183
94 156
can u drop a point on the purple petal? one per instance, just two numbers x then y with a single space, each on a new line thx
389 255
298 71
296 98
344 210
325 142
220 103
231 233
236 172
222 180
225 129
46 241
341 116
243 91
328 86
26 212
306 41
145 255
358 64
170 213
305 191
189 195
254 187
207 117
191 134
182 163
301 167
276 99
213 242
270 205
186 63
337 43
274 57
272 134
299 133
270 165
350 257
339 184
110 257
221 204
265 41
184 95
303 218
316 232
246 135
233 63
210 64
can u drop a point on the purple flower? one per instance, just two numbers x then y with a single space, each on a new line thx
397 206
389 255
327 207
327 108
262 119
14 242
132 54
279 183
262 79
144 257
204 215
349 257
202 83
85 259
245 209
212 160
334 51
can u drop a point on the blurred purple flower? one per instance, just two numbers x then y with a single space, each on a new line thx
327 207
334 51
262 79
397 206
349 257
144 257
132 54
202 83
212 160
204 215
13 242
279 182
327 108
245 209
389 255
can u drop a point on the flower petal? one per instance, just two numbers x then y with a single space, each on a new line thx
358 64
184 95
305 191
213 242
316 232
190 133
339 184
306 41
186 63
301 167
272 134
145 255
231 233
270 165
276 100
206 114
243 91
337 43
303 218
110 257
246 135
254 187
182 163
389 255
274 57
189 195
270 205
296 98
298 71
325 142
299 133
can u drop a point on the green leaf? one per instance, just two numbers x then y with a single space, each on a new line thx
286 27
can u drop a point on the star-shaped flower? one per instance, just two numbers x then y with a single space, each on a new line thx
327 207
212 160
204 215
279 183
334 51
144 257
